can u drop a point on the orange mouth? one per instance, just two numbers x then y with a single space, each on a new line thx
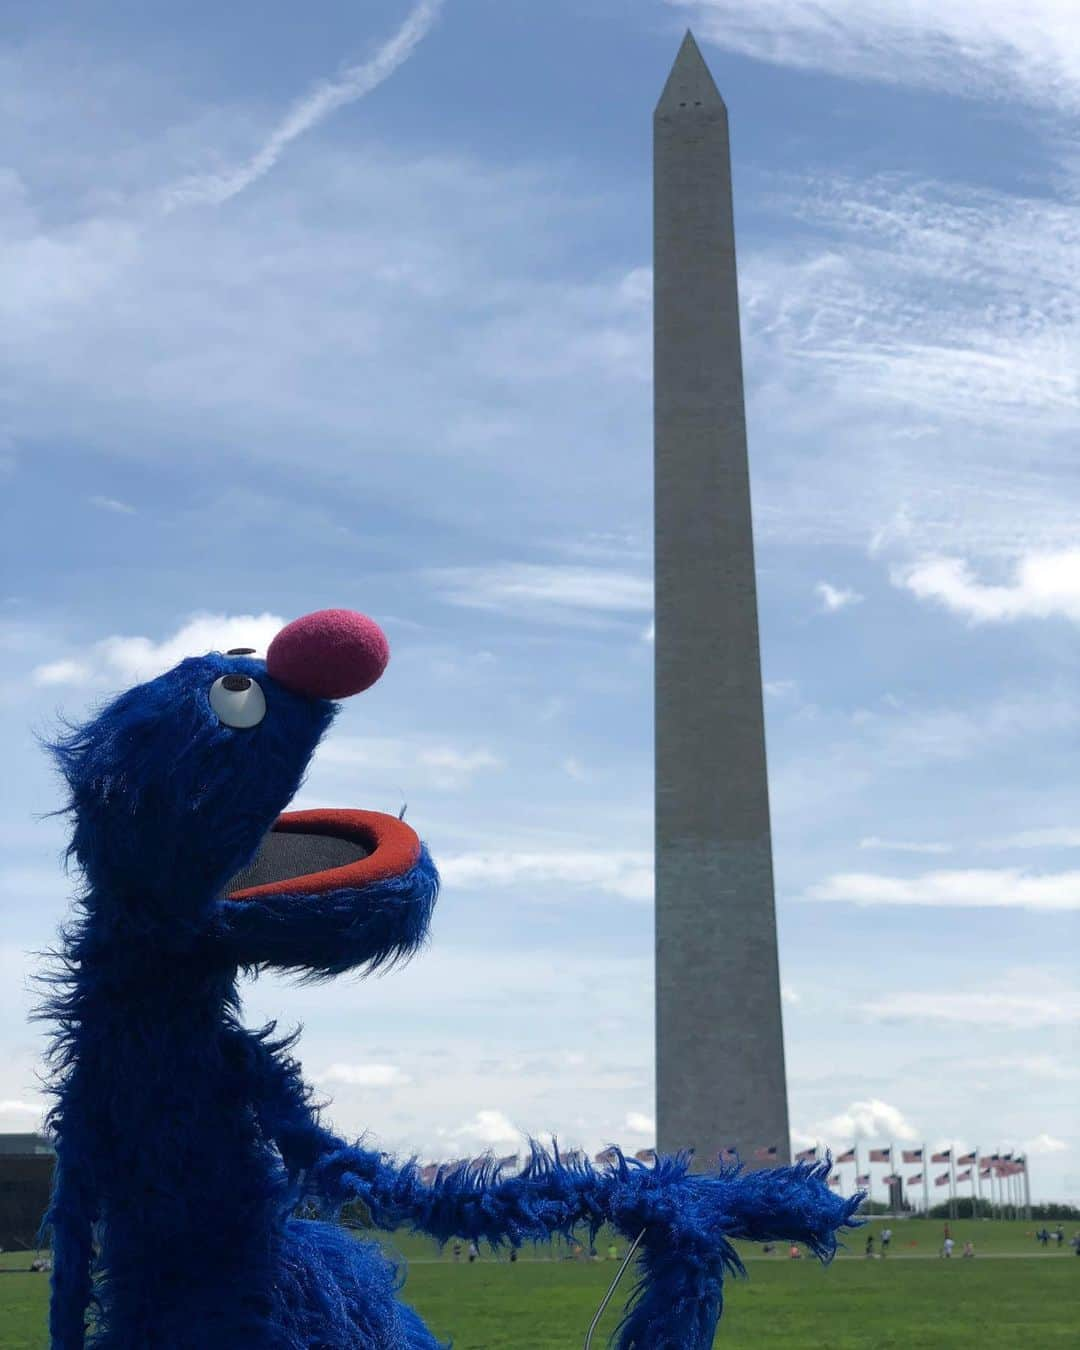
313 852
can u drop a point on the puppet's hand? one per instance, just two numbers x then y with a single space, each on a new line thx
689 1221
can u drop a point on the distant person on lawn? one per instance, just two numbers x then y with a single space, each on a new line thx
947 1247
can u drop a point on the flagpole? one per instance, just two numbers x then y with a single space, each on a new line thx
925 1182
1027 1189
978 1179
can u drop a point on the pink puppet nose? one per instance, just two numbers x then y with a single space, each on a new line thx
329 654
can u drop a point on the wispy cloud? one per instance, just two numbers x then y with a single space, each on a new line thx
363 1075
975 48
930 327
1055 836
1014 1012
985 888
626 874
111 504
536 590
1043 586
902 846
445 767
326 98
834 598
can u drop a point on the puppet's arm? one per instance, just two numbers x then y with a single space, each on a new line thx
70 1216
323 935
688 1220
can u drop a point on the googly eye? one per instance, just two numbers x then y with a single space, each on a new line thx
238 701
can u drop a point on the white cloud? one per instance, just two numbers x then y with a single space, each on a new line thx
974 48
308 112
17 1108
535 589
1045 1143
960 303
1014 1012
1036 1066
488 1127
1055 836
63 672
873 1119
902 846
835 598
118 661
364 1075
973 888
781 688
1044 586
637 1122
627 874
111 504
444 767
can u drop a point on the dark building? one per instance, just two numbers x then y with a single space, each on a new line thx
26 1168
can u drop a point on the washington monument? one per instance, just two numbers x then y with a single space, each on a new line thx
719 1037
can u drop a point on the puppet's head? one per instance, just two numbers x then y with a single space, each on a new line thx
179 786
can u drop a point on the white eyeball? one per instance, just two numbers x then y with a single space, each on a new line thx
238 701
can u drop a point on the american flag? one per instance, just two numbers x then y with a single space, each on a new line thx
429 1173
511 1160
834 1181
729 1155
941 1157
881 1155
764 1154
911 1155
806 1155
993 1158
1008 1169
967 1158
963 1176
646 1155
916 1180
986 1169
607 1155
942 1180
891 1179
849 1156
864 1180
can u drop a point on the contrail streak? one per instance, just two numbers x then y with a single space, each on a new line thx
313 108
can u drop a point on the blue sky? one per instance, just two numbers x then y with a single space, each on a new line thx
352 307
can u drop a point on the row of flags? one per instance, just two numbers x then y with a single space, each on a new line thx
992 1165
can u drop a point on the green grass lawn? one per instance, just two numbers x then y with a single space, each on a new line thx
1013 1296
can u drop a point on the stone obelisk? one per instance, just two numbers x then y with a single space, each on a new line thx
719 1037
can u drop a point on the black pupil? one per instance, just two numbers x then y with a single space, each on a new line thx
240 651
236 683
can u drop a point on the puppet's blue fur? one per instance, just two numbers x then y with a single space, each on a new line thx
186 1142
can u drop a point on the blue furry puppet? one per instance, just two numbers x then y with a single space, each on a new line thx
186 1143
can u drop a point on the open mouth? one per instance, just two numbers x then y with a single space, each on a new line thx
313 852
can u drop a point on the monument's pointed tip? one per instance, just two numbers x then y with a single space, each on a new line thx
690 84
